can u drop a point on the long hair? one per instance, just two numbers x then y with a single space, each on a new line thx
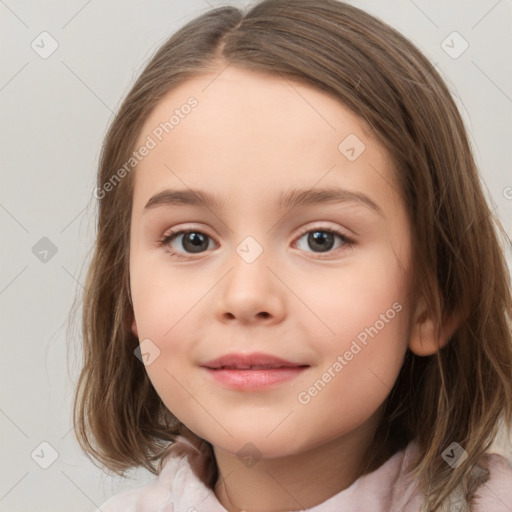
459 394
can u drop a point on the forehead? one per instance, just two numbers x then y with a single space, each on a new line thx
234 97
248 134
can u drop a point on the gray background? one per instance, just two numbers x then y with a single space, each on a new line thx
54 114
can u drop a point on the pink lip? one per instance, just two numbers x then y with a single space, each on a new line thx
252 371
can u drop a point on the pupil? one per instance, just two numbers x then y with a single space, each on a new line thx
192 242
325 240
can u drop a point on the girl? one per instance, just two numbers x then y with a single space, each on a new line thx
243 365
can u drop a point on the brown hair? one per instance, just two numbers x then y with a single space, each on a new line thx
458 394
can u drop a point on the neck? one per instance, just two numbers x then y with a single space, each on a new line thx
295 482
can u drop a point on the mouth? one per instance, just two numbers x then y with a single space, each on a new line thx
252 367
250 372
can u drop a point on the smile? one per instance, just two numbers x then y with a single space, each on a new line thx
251 372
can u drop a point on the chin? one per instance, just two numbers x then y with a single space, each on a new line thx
250 441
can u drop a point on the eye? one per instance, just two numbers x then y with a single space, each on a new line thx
322 239
192 241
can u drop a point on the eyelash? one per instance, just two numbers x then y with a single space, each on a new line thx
169 237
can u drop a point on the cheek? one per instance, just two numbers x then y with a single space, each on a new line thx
368 294
165 310
165 333
363 337
161 299
358 372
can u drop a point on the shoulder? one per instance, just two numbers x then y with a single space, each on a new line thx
147 498
496 493
176 479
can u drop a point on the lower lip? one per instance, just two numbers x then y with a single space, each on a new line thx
255 379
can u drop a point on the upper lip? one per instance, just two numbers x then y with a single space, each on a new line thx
249 361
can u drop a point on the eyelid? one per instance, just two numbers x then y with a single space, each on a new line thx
173 232
323 226
189 226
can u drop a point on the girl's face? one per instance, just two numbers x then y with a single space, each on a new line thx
264 262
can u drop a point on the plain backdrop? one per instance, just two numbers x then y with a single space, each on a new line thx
55 110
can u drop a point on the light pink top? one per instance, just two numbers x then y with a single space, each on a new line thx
387 489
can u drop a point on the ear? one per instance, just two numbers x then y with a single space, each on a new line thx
424 340
134 326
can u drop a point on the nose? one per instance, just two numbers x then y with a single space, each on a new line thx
251 292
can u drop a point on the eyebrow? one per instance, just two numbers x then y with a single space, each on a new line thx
287 200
